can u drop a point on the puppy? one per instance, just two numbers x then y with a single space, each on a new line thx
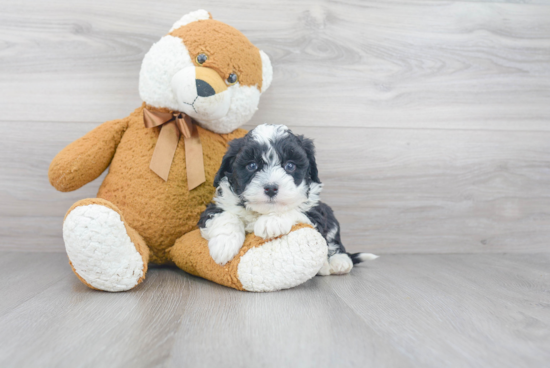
268 182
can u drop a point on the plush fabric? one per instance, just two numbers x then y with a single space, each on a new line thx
97 239
190 253
138 218
159 211
228 50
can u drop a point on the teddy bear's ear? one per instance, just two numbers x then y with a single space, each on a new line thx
267 71
191 17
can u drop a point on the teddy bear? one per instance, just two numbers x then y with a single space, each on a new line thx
199 84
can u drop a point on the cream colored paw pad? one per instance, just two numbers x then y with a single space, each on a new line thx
100 249
284 262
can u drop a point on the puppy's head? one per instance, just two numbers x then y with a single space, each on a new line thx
208 70
272 170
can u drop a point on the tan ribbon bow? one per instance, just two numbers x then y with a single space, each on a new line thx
172 125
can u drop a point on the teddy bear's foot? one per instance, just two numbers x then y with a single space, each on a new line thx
260 265
104 252
284 262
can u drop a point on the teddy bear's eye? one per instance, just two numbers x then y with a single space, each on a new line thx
232 79
201 59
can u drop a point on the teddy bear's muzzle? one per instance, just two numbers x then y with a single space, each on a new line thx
208 82
204 89
201 93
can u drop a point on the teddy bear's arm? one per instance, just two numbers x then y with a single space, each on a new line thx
86 158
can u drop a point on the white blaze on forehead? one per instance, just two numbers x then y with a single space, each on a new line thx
268 133
271 158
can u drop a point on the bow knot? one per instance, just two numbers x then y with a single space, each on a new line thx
173 124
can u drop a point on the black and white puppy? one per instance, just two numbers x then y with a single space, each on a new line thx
268 182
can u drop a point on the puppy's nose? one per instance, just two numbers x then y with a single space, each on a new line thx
271 190
204 89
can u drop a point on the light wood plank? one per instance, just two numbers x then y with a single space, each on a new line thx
24 275
393 190
71 325
456 310
398 311
307 326
178 319
355 63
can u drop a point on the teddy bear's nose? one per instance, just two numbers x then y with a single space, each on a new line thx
204 89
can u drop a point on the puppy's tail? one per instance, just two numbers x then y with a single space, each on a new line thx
362 257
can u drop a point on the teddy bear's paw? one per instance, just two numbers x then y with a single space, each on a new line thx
284 262
325 269
100 250
340 264
223 248
268 227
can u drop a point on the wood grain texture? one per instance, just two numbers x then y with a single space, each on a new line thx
431 118
393 190
351 63
479 310
397 311
19 281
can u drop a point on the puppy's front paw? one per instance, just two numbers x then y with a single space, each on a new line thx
272 226
224 247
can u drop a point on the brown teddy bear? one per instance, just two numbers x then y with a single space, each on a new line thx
199 84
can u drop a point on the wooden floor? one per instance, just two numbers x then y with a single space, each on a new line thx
398 311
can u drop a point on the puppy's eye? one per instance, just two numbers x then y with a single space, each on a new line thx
252 166
232 79
290 166
201 59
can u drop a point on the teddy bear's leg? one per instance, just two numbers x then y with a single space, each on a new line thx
104 252
261 265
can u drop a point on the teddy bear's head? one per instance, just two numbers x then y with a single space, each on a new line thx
208 70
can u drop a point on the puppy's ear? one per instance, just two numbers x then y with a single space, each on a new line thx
228 159
308 146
